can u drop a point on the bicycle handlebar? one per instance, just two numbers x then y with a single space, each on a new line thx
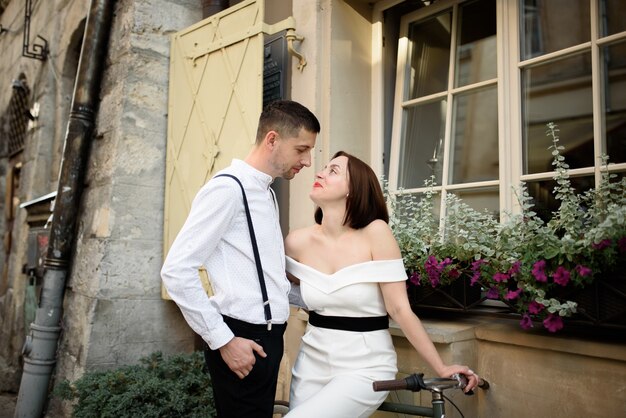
416 382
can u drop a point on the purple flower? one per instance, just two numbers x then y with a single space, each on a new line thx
493 293
476 264
582 270
621 244
415 278
475 278
433 270
526 322
539 271
561 276
553 323
512 294
515 268
535 307
500 277
601 245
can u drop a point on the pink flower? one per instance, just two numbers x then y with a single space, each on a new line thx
512 294
526 322
500 277
539 271
476 264
475 278
553 323
601 245
582 270
415 278
493 293
535 307
515 268
454 273
561 276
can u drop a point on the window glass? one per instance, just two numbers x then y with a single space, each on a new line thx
430 55
421 154
547 25
560 92
476 50
483 199
542 193
614 57
475 137
613 16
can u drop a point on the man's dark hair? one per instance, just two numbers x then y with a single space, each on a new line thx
287 118
366 201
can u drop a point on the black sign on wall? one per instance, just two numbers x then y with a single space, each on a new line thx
276 68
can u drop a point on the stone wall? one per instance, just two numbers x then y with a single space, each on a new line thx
113 311
50 83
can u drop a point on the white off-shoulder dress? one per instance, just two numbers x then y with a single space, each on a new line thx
333 373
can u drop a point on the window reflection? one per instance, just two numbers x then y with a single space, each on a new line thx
613 15
421 154
558 92
430 56
483 199
542 193
475 140
547 25
476 52
614 57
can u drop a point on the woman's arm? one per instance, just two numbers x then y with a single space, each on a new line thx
385 247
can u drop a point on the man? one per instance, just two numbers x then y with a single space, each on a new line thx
244 351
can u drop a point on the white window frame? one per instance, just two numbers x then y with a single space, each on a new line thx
508 80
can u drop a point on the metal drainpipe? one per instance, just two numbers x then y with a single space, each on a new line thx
210 7
41 345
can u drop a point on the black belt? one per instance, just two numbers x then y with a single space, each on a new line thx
247 329
348 323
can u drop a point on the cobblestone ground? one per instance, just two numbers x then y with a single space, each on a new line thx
7 405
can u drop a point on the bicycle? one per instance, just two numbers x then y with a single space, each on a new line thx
416 383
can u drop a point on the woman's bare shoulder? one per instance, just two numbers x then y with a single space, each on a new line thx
298 240
382 241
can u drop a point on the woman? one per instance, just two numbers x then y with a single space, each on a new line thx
351 278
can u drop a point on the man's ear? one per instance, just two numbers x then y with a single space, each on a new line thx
270 139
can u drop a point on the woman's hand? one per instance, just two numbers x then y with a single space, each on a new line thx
472 378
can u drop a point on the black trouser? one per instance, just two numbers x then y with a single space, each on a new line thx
252 396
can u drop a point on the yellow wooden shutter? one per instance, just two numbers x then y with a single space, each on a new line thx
215 99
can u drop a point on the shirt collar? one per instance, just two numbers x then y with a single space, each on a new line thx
262 179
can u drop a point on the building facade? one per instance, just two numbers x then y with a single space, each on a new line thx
458 90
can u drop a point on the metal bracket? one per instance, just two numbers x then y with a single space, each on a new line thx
291 37
2 30
39 51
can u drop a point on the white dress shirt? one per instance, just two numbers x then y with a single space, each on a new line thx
216 236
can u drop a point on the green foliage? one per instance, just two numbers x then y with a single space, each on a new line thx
522 261
174 387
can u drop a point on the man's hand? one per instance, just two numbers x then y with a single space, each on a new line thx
238 354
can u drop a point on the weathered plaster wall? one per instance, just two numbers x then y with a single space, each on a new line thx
114 313
50 90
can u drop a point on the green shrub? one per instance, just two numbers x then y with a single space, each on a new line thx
174 387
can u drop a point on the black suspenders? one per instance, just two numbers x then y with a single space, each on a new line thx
257 258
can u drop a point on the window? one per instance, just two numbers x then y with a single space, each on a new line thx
447 104
478 80
18 115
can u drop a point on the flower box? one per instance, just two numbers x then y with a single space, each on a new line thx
600 304
457 296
